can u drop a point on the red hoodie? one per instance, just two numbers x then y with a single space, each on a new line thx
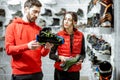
24 60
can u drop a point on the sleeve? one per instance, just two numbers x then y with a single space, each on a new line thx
83 55
11 48
53 54
44 51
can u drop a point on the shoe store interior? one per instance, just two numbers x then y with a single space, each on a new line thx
96 20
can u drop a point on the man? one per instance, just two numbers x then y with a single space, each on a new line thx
20 43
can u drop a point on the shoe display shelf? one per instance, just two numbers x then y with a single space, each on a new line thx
99 55
5 69
4 62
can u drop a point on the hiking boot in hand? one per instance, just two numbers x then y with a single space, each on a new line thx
46 35
69 62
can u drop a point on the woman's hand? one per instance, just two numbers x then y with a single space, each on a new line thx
79 62
63 58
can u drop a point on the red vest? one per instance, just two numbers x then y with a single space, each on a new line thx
64 49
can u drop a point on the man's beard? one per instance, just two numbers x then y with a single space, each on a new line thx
30 19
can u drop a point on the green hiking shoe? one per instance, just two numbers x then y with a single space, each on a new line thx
46 35
69 62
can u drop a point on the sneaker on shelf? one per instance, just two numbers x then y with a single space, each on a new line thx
105 48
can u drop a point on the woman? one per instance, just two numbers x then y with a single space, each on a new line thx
72 47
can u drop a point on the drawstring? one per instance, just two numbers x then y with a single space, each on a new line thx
20 30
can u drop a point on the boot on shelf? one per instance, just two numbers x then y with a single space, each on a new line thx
1 23
18 13
14 7
95 60
61 12
80 12
1 49
2 12
56 22
42 22
48 12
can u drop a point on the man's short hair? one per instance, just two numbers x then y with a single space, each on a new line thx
31 3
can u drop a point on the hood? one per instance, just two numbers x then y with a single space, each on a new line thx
20 21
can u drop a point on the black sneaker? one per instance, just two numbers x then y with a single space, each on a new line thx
69 62
46 35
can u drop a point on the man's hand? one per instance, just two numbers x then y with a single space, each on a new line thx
33 45
48 45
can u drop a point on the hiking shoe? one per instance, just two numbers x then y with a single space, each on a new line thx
69 62
95 61
105 70
46 35
105 48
